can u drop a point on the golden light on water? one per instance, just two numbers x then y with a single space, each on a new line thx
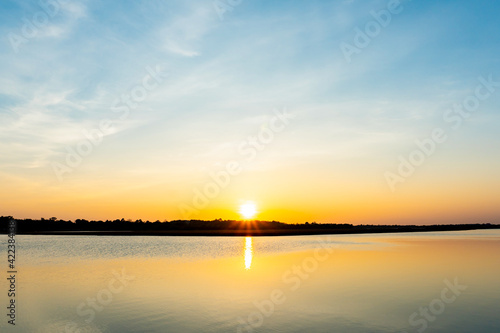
248 252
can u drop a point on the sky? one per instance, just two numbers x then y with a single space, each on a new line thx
344 111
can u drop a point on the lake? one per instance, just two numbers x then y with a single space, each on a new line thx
421 282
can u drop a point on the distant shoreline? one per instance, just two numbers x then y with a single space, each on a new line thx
216 227
259 233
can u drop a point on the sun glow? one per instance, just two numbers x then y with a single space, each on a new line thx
248 209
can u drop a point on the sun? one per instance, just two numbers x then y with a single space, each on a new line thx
248 209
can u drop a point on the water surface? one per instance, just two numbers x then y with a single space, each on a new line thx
338 283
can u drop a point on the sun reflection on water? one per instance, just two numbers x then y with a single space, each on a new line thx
248 252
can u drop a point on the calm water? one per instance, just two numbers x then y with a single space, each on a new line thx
432 282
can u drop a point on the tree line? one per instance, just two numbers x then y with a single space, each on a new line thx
30 226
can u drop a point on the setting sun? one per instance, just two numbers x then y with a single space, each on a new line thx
248 209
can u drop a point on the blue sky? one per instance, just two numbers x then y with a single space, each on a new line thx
223 79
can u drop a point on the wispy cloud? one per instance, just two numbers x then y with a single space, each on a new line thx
183 35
